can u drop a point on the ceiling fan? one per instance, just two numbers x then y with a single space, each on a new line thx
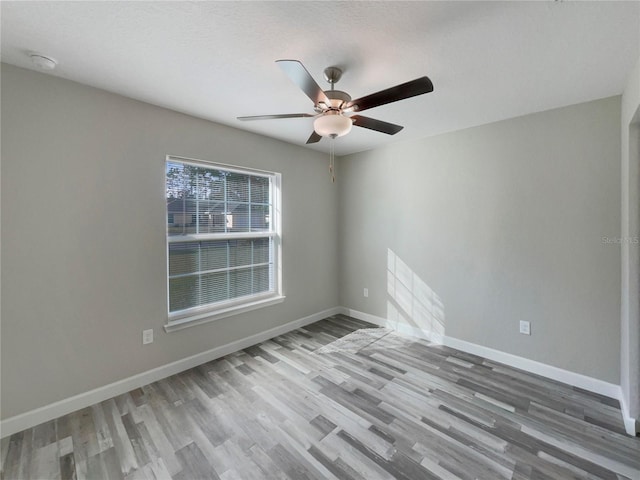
331 106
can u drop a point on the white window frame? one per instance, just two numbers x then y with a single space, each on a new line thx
208 313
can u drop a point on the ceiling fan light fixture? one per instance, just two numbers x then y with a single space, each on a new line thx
332 124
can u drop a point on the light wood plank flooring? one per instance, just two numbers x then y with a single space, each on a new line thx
391 407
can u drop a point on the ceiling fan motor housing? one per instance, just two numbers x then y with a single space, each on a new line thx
338 100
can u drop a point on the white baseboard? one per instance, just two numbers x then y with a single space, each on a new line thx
35 417
532 366
571 378
630 423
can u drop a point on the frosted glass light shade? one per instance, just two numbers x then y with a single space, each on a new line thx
332 125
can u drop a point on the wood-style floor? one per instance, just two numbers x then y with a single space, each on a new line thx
397 408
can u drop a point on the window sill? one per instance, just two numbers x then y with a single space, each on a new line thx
211 316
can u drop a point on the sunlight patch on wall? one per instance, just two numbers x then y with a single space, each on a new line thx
411 302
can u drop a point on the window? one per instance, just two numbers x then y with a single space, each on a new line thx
222 240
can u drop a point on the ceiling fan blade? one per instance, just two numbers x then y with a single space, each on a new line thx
393 94
301 77
377 125
271 117
314 138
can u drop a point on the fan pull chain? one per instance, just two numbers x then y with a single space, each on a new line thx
332 157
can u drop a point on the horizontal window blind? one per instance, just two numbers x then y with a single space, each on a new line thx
221 236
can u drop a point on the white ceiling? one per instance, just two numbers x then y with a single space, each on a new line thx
215 60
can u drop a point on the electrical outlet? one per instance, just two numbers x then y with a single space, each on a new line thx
147 336
525 327
366 293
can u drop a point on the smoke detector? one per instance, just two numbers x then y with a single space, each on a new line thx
42 62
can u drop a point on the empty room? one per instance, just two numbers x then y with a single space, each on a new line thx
351 240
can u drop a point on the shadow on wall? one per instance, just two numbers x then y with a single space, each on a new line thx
412 306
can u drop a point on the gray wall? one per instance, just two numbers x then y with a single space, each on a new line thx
472 231
630 320
83 236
